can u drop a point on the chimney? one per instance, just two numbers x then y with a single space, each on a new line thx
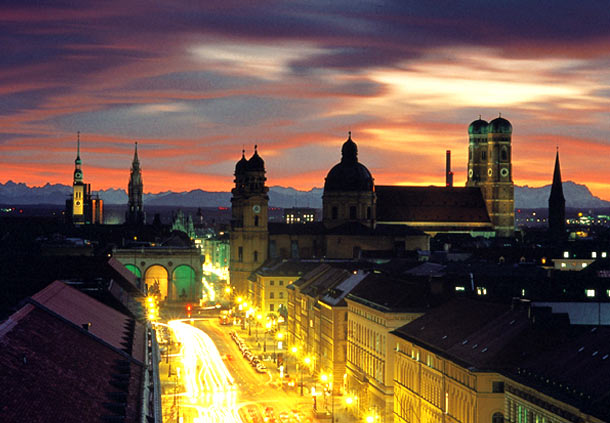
448 172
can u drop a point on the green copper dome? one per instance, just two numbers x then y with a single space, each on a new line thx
479 126
500 126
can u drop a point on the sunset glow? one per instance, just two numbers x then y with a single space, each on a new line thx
195 83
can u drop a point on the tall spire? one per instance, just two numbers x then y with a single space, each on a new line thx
135 213
557 204
78 173
77 161
136 162
557 187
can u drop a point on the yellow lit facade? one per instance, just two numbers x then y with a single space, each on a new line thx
429 388
370 358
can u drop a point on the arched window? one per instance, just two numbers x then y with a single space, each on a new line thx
504 155
497 418
255 220
255 256
483 155
334 212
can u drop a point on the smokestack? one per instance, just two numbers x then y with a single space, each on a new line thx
448 172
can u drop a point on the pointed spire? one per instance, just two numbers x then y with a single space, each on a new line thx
557 204
78 160
136 160
557 188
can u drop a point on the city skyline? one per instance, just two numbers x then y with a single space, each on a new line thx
194 85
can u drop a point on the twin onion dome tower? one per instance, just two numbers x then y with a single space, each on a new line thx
490 169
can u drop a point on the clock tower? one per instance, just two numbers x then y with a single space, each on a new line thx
79 189
249 236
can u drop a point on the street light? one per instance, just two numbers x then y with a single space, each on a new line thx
307 361
268 326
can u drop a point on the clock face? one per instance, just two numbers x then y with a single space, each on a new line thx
489 172
504 172
78 203
470 173
256 208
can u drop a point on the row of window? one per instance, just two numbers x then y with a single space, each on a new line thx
280 295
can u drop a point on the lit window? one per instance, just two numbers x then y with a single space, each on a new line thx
594 254
590 293
584 265
608 292
460 288
563 264
523 292
603 254
566 254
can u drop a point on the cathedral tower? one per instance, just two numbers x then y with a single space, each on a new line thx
490 168
557 205
349 193
477 153
249 237
135 212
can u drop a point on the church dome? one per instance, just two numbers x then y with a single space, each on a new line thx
349 174
256 163
500 126
479 126
241 165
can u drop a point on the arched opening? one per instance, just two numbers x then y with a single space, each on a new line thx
183 282
497 418
134 269
156 279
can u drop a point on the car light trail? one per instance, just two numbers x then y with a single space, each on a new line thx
209 386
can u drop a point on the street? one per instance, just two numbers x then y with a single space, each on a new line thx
205 378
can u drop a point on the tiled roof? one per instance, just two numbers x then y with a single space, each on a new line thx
105 322
532 346
390 294
430 204
55 371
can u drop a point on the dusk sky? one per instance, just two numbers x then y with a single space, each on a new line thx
194 82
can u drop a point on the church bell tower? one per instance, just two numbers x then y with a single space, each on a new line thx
249 237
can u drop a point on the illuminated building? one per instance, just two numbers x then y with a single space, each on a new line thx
317 318
469 361
172 273
135 212
377 306
299 215
249 237
82 207
490 169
